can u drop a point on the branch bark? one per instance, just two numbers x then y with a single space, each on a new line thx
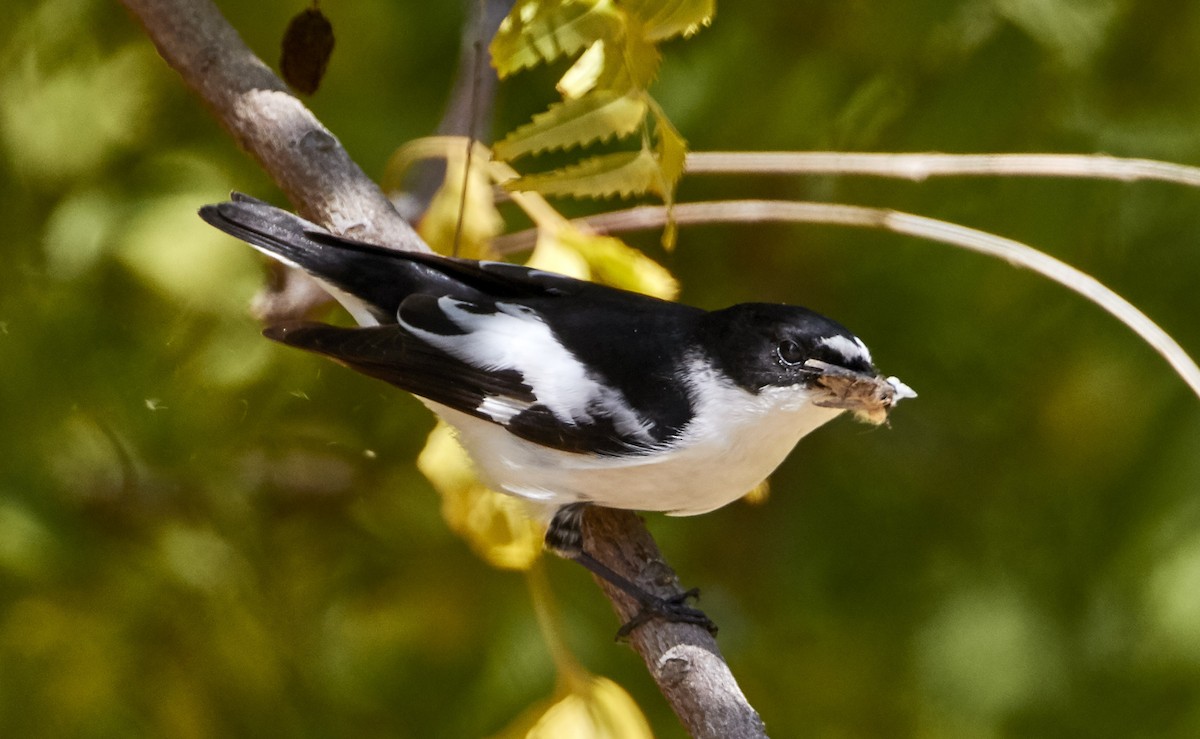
308 163
325 185
682 658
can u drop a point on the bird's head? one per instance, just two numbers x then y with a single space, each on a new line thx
761 345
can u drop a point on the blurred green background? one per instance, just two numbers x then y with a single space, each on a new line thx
204 534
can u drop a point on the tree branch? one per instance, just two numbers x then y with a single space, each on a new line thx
301 155
326 186
682 658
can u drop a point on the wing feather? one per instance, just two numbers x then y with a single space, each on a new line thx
393 354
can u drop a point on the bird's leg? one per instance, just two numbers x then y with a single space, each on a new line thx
564 537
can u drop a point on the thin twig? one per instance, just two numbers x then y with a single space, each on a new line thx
1014 252
918 167
470 105
324 184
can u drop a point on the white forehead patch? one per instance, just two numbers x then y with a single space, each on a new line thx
848 348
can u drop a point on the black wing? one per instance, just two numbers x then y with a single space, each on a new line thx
392 354
628 343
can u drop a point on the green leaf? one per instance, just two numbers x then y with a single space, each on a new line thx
672 154
598 115
539 31
581 78
625 173
671 149
631 65
664 19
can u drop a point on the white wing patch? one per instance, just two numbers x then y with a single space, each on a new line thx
501 409
848 348
515 338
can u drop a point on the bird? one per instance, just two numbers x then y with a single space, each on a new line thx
567 393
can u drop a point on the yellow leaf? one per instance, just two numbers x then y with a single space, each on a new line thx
640 60
596 116
553 254
494 525
759 494
537 31
672 155
480 221
595 708
610 261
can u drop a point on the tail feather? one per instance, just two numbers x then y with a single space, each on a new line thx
275 232
371 281
359 275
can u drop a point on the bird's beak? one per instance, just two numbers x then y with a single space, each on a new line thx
870 397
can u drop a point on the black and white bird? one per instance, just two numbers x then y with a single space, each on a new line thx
567 393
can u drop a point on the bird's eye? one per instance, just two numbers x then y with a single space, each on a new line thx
790 352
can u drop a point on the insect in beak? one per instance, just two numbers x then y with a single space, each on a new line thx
870 397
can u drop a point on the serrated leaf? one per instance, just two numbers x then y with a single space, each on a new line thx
642 60
596 116
672 152
664 19
538 31
632 65
625 173
581 78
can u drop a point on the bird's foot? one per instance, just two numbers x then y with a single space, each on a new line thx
674 609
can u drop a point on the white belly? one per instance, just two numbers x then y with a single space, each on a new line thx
736 440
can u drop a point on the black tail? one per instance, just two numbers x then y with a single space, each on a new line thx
275 232
379 277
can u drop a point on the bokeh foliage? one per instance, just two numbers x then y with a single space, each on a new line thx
203 534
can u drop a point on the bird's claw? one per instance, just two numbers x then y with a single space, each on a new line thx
673 609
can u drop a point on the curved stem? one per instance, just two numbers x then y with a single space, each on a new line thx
1013 252
569 670
918 167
